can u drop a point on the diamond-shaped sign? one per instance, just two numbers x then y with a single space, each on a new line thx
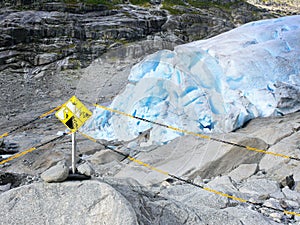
73 114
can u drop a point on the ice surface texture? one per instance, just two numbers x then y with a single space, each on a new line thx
213 85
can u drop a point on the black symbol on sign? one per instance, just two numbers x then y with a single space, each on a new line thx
69 123
75 124
84 115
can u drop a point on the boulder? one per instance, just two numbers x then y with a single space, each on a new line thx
86 169
223 183
247 216
261 188
243 172
87 202
56 173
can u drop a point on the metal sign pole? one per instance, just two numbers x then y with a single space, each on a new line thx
73 152
73 114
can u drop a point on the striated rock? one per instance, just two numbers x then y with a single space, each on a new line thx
87 202
193 157
45 58
56 173
46 37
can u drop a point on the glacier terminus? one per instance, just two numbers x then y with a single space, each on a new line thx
212 85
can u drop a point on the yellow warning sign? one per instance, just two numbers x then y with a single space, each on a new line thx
73 114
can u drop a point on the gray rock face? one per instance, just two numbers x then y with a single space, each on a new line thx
37 45
193 157
56 173
76 38
88 202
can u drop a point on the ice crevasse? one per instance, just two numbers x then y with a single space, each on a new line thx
212 85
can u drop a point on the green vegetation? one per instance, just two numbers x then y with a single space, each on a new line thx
217 4
173 2
172 10
169 6
95 2
113 2
140 2
203 4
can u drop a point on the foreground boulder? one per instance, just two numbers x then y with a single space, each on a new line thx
88 202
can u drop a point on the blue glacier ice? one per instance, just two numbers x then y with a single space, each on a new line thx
212 85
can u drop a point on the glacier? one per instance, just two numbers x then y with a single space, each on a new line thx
211 85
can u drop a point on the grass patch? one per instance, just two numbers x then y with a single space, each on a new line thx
140 2
208 4
94 2
169 6
172 10
172 2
